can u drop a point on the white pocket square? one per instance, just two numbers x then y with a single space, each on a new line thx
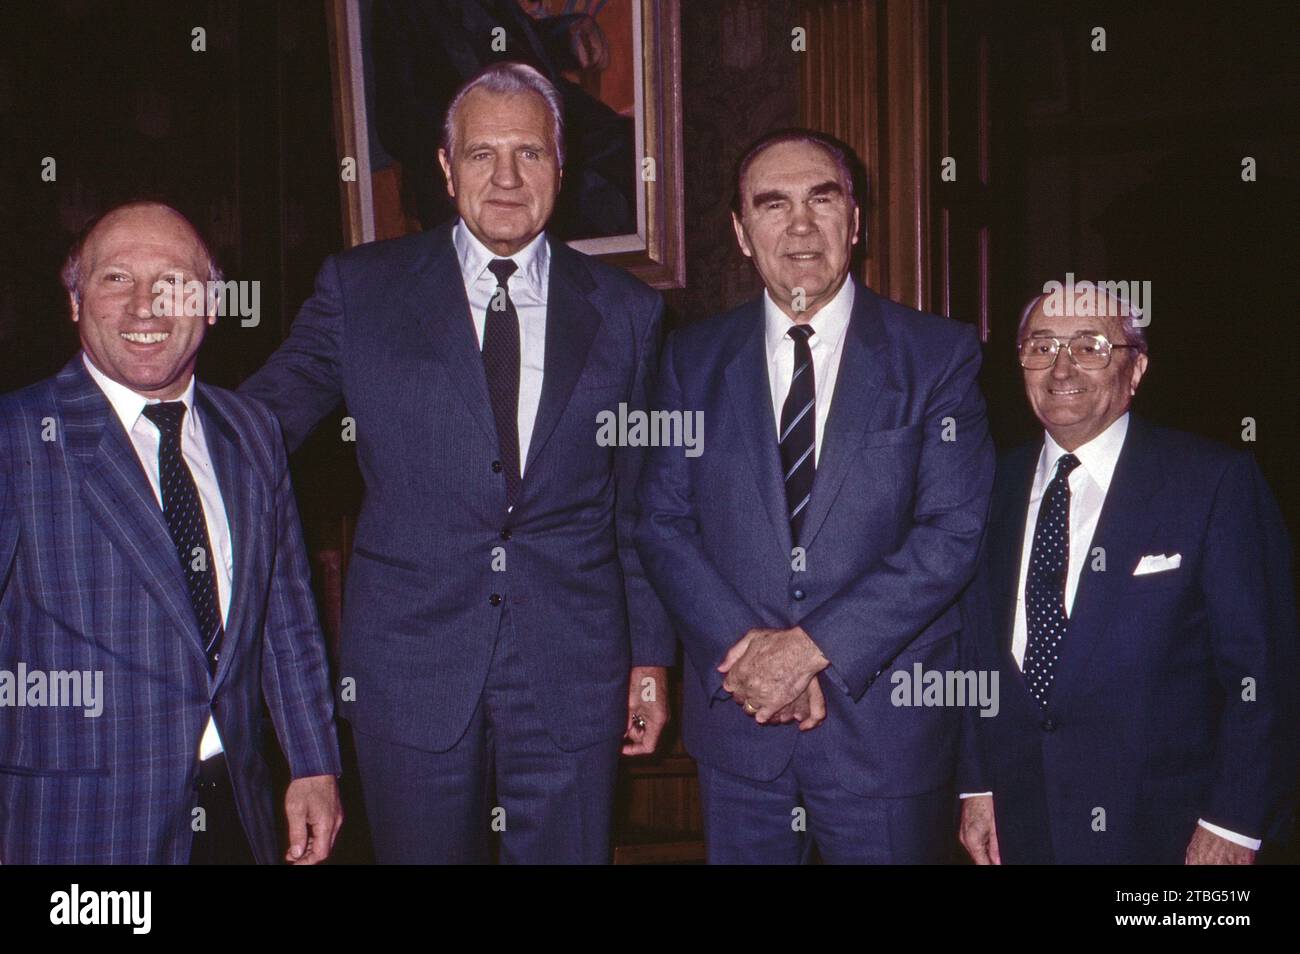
1158 563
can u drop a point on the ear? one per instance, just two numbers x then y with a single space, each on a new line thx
740 236
445 162
74 306
1139 369
857 223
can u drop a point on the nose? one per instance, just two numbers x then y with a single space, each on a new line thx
142 299
801 220
1062 365
505 174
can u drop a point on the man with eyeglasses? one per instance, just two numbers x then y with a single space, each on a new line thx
1135 597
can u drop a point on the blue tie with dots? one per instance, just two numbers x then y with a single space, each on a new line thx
183 510
1049 562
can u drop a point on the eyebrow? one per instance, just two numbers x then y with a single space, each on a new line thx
829 187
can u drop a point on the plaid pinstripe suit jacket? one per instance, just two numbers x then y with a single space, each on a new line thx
89 582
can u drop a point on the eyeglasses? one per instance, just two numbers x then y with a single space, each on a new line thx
1090 352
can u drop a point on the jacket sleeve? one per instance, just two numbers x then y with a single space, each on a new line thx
1250 599
653 642
301 382
295 671
710 616
874 616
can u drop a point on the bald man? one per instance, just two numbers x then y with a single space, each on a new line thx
154 589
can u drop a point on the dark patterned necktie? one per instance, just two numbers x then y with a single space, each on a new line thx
183 510
501 362
799 430
1049 563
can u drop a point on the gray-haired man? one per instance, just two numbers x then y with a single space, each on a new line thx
499 637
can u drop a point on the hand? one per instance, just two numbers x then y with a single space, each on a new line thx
1207 848
979 832
767 669
809 709
649 700
315 815
588 43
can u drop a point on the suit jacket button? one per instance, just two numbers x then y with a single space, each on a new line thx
1049 724
505 534
798 594
496 467
495 599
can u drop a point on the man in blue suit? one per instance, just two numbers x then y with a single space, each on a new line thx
1136 599
495 606
821 538
151 558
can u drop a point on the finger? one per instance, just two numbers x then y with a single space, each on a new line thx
296 815
995 855
973 838
734 654
816 706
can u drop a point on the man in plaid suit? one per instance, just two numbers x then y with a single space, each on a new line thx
154 590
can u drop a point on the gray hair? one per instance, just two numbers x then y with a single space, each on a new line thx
70 274
1134 333
508 77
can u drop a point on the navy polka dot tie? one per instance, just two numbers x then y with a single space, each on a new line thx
183 510
1049 562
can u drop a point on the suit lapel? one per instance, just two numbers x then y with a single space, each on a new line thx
1005 551
1127 522
751 398
858 382
571 325
442 314
118 495
234 478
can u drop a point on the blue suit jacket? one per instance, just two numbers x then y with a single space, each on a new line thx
89 581
1146 719
388 330
891 535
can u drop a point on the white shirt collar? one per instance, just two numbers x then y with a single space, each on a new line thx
1097 457
128 405
828 324
533 259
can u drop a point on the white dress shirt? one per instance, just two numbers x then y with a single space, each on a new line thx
829 325
527 287
1089 484
145 437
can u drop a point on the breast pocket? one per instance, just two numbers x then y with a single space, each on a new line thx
911 434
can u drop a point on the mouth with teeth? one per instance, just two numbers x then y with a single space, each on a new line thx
145 337
1066 392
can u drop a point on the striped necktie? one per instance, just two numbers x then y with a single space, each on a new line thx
799 430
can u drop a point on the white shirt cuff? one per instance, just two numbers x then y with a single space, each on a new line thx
973 794
1251 843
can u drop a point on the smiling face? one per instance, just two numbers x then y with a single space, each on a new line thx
1073 404
798 223
505 173
123 261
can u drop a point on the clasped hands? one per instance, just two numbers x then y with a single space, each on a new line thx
772 675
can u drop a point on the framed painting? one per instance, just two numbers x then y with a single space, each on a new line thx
617 64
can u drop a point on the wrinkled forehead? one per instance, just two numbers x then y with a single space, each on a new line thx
145 233
791 167
1053 318
488 114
